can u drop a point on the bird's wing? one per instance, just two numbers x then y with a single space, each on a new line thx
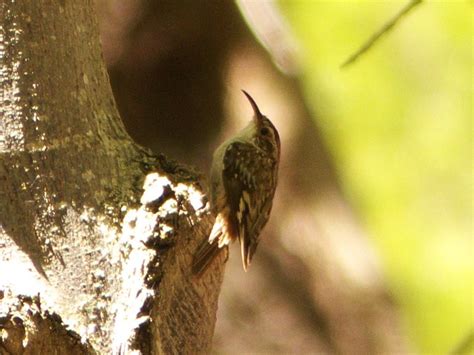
249 184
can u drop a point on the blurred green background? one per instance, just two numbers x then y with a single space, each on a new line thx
398 122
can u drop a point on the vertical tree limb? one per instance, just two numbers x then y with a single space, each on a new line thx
96 234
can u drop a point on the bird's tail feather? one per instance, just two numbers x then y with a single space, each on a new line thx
204 257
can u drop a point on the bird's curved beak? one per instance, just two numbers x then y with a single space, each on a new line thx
257 114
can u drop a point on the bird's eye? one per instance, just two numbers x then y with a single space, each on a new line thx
265 131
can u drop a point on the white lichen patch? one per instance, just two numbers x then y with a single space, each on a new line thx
138 227
134 257
153 187
193 195
170 206
132 253
165 231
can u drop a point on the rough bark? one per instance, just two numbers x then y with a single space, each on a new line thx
96 234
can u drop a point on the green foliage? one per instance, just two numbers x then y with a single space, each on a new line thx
398 122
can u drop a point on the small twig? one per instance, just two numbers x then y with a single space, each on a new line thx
465 344
385 28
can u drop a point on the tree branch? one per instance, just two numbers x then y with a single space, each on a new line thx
376 36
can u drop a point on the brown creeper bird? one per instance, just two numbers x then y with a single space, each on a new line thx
242 184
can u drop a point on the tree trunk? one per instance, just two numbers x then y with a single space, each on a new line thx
96 234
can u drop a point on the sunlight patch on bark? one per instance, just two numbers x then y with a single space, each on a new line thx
11 128
17 273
